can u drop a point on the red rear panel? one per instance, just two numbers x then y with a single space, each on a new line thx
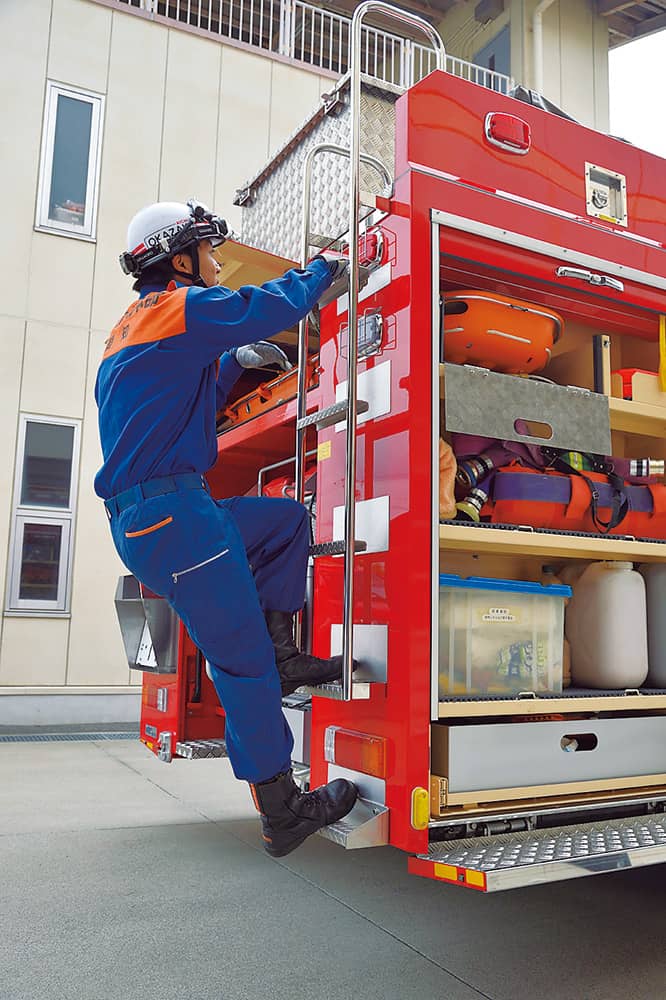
508 219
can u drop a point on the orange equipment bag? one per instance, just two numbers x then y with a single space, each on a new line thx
549 499
497 332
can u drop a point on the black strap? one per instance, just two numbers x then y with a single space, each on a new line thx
620 501
195 276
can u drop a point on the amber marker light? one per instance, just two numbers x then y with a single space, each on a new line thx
355 751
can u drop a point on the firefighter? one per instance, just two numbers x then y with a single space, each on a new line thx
233 570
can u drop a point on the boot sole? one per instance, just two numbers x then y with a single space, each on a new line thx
273 853
276 852
289 686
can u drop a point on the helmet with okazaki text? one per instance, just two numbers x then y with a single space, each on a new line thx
166 228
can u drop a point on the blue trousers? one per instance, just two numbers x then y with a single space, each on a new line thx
220 564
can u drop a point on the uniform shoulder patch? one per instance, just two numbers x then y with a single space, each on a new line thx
155 317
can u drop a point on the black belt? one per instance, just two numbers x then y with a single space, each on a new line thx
154 488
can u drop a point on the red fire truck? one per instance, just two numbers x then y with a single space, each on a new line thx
467 189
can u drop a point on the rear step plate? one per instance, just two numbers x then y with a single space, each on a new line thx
367 825
507 861
202 749
360 690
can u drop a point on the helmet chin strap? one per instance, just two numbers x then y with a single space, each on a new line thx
195 276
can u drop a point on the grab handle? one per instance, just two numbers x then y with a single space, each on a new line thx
592 279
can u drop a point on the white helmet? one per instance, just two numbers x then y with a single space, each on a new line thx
166 228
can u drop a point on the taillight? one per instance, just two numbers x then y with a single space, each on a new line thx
356 751
508 132
370 248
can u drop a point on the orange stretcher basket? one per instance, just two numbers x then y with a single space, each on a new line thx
497 332
267 396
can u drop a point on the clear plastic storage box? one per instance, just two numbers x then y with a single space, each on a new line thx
499 636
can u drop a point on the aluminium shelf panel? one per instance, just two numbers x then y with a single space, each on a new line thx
272 201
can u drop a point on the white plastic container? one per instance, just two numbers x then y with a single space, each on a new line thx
499 636
606 624
654 575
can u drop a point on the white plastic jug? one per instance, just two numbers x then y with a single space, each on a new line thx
606 624
654 575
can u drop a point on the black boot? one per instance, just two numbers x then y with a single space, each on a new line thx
289 816
296 668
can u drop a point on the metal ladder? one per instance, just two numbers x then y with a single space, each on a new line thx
352 406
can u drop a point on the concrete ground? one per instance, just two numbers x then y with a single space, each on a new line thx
123 878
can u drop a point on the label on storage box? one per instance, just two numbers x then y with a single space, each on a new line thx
498 615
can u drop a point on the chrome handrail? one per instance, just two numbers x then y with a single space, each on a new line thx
301 398
308 164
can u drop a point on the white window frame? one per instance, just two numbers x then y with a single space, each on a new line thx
24 513
43 223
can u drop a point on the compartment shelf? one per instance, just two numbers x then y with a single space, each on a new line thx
637 418
553 705
525 542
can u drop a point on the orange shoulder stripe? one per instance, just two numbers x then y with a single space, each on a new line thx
155 317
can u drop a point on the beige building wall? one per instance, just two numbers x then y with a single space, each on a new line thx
184 116
575 51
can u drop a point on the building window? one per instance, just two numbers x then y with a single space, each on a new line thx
496 57
70 161
44 501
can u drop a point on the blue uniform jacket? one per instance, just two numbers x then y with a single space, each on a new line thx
161 380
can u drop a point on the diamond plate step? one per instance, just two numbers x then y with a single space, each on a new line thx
367 825
507 861
331 415
201 749
335 548
360 691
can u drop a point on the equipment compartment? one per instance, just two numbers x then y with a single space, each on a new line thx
522 759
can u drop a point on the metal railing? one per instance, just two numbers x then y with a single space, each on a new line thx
315 37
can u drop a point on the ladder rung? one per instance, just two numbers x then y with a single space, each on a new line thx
331 415
360 691
335 548
201 749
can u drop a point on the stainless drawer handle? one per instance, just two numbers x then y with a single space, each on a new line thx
576 742
590 277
